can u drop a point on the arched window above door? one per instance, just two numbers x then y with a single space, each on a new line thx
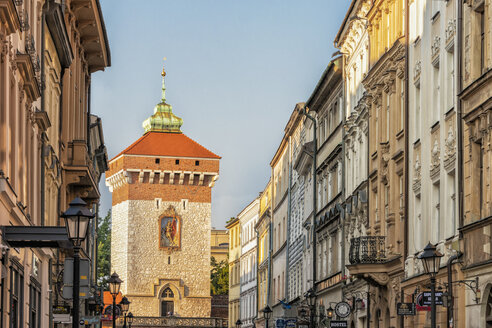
167 293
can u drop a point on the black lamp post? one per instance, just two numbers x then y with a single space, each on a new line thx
130 319
238 323
431 259
125 305
114 289
267 314
77 218
311 299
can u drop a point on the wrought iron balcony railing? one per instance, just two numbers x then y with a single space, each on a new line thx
30 45
367 249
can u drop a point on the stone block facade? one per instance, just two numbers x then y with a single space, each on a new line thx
147 269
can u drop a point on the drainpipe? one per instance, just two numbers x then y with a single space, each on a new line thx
342 216
406 183
459 87
43 137
450 309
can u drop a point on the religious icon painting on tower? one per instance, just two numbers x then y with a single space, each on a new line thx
170 230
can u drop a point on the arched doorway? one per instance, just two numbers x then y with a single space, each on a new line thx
167 302
378 318
387 319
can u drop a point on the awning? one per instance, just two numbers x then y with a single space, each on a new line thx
38 236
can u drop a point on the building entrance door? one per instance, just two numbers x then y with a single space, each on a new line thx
167 308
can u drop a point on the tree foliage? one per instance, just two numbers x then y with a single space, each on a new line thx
104 250
219 277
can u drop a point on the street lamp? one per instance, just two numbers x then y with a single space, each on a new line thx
77 218
130 319
311 299
125 305
329 313
431 259
238 323
267 314
114 283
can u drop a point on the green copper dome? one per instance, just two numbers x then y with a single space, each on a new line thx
163 119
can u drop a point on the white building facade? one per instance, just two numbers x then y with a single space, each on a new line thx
248 263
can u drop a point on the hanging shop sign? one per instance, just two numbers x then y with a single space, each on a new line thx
338 324
427 299
405 308
342 309
329 282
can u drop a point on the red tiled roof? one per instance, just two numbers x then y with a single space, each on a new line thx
167 144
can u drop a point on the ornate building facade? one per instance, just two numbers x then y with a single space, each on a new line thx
51 146
353 41
160 243
476 109
432 143
378 257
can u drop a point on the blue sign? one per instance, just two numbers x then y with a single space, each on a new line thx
280 323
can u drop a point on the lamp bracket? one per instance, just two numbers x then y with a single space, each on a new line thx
472 284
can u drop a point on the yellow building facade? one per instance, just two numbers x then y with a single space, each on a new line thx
263 227
380 253
234 269
219 244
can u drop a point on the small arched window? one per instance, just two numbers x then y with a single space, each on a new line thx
167 293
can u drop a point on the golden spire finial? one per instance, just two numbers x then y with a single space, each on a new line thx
163 71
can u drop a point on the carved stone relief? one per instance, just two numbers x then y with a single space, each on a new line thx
450 150
435 160
435 51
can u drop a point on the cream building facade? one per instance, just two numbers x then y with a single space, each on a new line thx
433 208
247 220
327 102
280 168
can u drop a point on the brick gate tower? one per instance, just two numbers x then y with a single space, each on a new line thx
160 242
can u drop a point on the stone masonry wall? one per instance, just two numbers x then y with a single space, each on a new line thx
119 241
148 271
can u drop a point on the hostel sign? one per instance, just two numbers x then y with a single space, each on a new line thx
333 280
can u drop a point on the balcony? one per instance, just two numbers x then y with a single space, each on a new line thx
80 173
9 16
368 249
369 260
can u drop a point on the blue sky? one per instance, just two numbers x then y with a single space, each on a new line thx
235 70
